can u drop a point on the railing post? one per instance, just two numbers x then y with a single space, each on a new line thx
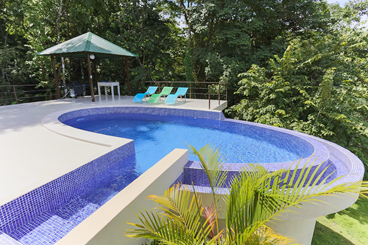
15 94
219 93
226 91
190 90
127 74
57 80
209 98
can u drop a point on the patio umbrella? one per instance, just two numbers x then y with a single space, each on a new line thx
88 46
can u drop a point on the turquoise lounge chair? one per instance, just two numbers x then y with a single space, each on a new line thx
139 97
155 97
171 98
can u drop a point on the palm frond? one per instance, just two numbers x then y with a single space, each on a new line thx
180 219
257 197
212 165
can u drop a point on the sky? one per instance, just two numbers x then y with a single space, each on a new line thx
340 2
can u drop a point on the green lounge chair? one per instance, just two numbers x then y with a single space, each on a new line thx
171 98
139 97
156 97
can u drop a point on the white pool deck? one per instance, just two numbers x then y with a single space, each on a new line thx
31 155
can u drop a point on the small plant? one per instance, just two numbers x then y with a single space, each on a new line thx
255 197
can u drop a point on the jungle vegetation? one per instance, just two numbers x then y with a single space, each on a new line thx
297 64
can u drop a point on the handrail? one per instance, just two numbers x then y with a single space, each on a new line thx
9 94
18 85
14 93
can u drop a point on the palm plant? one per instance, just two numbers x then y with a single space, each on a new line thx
256 197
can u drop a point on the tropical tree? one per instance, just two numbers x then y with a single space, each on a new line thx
255 197
226 37
318 86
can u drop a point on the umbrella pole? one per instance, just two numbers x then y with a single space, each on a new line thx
56 78
127 73
90 78
95 70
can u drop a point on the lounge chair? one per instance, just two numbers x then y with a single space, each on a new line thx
155 97
171 98
139 97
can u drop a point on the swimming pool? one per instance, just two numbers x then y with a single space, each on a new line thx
155 136
240 141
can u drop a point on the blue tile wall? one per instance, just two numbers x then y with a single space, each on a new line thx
194 174
144 110
54 194
51 226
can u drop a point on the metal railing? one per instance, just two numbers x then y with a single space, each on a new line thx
14 94
10 94
197 90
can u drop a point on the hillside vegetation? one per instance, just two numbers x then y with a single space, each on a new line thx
298 64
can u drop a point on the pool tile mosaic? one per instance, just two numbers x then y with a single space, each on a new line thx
144 110
56 193
51 226
194 174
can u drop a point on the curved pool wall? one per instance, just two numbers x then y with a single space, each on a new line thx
309 149
155 136
26 207
299 145
338 161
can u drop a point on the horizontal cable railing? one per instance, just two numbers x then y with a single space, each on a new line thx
14 94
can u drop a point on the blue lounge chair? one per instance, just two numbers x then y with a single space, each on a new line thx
171 98
139 97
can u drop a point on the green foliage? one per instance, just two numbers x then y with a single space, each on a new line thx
188 66
319 87
222 38
306 60
144 28
13 54
226 37
348 226
256 197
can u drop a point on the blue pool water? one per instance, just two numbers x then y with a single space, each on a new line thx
156 136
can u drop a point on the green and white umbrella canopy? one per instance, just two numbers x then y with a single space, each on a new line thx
84 46
87 43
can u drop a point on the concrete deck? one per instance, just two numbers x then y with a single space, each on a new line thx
31 155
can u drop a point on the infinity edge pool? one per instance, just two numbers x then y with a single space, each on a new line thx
350 164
